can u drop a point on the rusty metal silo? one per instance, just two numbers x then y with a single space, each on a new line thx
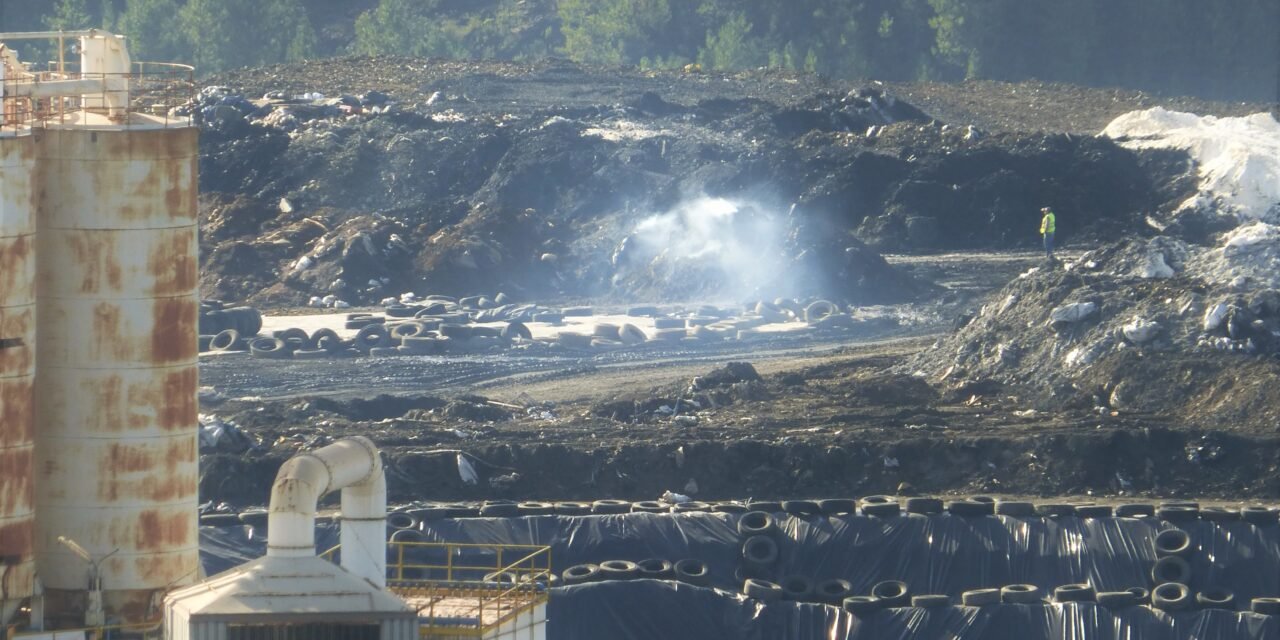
117 460
17 367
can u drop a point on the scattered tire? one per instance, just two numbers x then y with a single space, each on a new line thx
692 571
606 331
655 568
801 507
630 334
515 330
296 338
770 312
882 509
462 510
455 331
1216 598
668 323
816 311
756 523
408 330
246 320
618 570
400 520
220 520
970 509
400 311
1135 511
762 590
643 311
581 574
499 510
1219 514
878 500
570 340
364 321
202 342
573 508
650 506
1055 510
729 507
1020 594
838 506
502 577
892 593
980 597
862 605
420 346
256 518
429 513
989 499
1259 515
578 312
760 551
1094 511
610 507
930 601
1075 593
373 336
833 591
1178 512
1171 569
1171 596
1115 599
1172 542
796 588
1265 606
536 508
924 506
408 536
227 340
485 332
1141 595
691 507
323 338
270 348
1015 509
668 335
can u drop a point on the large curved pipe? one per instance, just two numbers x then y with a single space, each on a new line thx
354 466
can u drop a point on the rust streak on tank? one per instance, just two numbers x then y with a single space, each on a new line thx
16 539
107 342
179 408
161 530
16 412
13 269
15 479
96 254
172 263
16 323
174 338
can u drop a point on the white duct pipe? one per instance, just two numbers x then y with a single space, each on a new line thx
354 466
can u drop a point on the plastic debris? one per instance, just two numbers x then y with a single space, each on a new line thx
467 471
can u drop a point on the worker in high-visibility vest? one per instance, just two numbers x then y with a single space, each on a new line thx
1048 225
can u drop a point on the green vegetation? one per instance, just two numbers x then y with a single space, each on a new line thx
1224 50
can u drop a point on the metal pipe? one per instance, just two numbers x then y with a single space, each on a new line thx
51 35
353 466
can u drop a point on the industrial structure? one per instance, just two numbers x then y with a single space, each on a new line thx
98 400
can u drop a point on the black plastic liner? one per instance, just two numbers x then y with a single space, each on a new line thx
937 554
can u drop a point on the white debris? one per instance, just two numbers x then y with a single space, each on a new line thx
1074 312
435 97
1140 330
315 301
1213 316
304 263
286 206
1155 267
329 300
675 498
385 301
1238 158
1249 236
1008 303
466 471
341 304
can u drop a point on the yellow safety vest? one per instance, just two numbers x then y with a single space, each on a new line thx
1048 224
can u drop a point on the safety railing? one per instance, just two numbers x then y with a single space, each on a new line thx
466 589
164 91
144 630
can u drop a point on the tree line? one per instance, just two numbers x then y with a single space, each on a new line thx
1227 50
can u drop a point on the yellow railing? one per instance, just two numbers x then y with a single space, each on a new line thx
497 582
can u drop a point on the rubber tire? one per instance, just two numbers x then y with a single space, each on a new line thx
759 552
220 520
692 571
878 500
801 507
374 336
1115 599
1173 542
655 569
499 510
618 570
400 520
762 590
930 601
1265 606
1095 511
1015 509
796 588
1171 596
1135 510
833 591
925 506
1259 515
536 508
611 507
515 330
756 523
270 348
1216 598
650 506
816 311
1081 592
313 341
892 593
571 508
882 509
360 323
970 509
692 506
1178 513
1021 594
1055 510
1141 595
202 343
729 507
1173 569
862 605
227 340
1219 514
668 323
764 506
581 574
980 597
630 334
295 337
408 535
838 506
407 330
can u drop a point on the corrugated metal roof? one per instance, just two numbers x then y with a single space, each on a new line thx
286 587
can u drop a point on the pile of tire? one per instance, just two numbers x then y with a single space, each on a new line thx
238 323
689 570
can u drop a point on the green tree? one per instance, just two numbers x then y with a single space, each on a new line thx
154 30
234 33
732 46
615 31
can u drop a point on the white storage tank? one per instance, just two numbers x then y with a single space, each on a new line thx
17 367
116 438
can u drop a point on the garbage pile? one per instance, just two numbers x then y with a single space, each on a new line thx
540 182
